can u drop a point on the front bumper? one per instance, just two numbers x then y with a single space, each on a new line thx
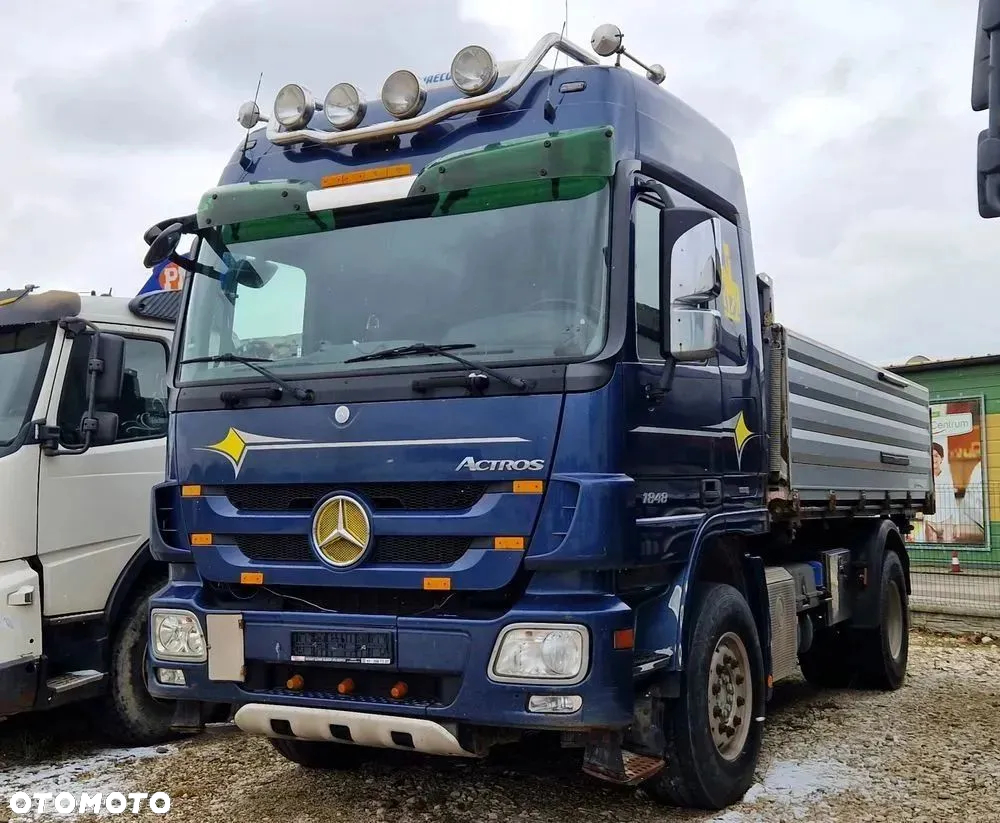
452 650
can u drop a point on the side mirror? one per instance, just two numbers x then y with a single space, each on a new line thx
107 367
988 174
691 240
252 274
690 277
162 245
694 334
103 428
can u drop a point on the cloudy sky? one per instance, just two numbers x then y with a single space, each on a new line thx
852 120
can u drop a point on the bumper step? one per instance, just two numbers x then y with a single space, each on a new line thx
73 680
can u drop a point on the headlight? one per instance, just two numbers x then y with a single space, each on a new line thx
403 94
474 71
548 654
294 106
344 106
177 635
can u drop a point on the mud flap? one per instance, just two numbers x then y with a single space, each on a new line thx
189 716
605 759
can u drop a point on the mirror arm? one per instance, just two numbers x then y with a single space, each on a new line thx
648 184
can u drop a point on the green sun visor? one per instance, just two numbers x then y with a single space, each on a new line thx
585 152
544 167
238 202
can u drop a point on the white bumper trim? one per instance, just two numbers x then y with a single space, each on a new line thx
374 730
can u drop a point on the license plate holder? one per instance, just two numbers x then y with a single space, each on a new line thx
364 648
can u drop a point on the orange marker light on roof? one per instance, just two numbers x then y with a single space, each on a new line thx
350 178
295 683
345 686
399 691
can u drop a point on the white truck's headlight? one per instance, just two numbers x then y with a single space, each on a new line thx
177 635
540 654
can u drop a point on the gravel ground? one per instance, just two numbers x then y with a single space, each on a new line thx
927 754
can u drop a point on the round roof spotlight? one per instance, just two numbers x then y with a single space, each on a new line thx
344 106
474 71
607 39
403 94
294 106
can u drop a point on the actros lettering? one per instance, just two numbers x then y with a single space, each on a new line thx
473 465
66 803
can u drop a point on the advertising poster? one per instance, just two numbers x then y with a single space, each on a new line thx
959 477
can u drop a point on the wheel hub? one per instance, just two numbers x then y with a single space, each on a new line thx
729 696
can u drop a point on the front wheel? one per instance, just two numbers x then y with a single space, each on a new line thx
313 754
712 731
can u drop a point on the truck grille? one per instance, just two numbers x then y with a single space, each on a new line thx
447 496
388 550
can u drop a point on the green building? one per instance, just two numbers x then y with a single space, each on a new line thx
965 412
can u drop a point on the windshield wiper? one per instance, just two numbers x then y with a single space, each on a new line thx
446 351
297 392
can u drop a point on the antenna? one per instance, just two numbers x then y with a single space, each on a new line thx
550 110
255 110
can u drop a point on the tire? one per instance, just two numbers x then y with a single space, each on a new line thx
131 715
882 653
698 772
314 754
829 662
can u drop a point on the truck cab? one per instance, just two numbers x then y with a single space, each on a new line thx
482 426
83 424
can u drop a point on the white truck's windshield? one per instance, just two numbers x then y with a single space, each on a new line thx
23 353
521 276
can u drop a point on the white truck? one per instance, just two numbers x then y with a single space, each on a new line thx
83 424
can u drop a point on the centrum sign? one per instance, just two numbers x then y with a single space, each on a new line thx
64 803
950 425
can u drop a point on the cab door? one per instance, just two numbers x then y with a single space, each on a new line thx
673 439
94 507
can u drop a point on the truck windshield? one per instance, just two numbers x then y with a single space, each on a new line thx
23 353
518 270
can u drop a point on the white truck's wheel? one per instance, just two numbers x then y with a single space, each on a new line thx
133 716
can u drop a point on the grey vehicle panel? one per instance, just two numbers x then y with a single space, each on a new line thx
852 430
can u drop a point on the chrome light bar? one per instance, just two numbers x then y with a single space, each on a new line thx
461 105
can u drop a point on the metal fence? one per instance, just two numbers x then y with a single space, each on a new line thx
955 553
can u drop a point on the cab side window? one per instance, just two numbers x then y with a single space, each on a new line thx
142 408
731 302
646 268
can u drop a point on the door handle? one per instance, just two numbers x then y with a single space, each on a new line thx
711 492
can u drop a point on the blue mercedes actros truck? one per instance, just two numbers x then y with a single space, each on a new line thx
481 426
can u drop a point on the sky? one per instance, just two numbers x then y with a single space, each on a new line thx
851 119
